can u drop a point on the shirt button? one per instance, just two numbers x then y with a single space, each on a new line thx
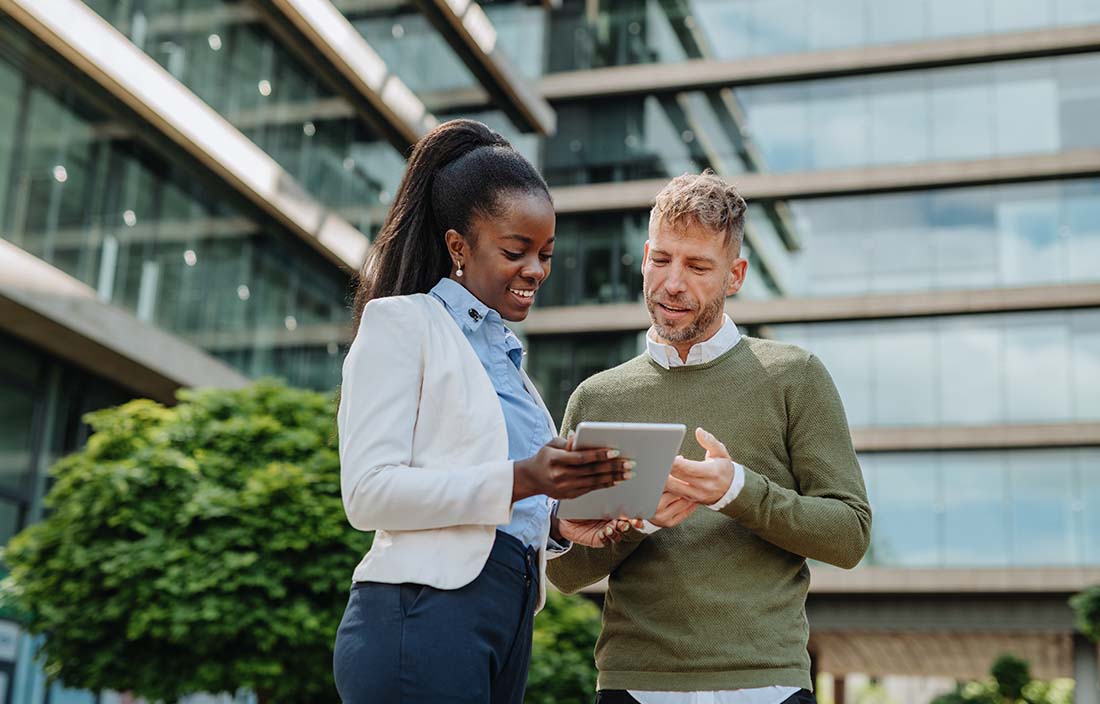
474 314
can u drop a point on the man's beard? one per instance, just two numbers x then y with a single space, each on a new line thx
703 320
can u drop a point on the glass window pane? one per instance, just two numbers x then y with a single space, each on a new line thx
1085 331
971 380
1014 15
904 498
1088 509
1042 518
18 362
1037 367
961 101
899 119
11 519
1081 211
1026 104
975 515
904 375
988 508
16 419
957 17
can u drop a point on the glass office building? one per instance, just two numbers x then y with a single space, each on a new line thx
187 186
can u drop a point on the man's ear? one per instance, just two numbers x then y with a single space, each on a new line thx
738 269
645 255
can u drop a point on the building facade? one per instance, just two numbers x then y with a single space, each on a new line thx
187 186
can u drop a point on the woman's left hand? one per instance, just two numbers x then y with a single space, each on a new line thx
596 533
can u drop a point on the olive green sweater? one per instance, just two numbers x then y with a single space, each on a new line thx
718 602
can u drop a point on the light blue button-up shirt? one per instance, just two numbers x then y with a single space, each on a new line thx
501 354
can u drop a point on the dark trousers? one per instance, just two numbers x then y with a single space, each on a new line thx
620 696
413 644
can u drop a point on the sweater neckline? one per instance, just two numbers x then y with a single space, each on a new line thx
699 367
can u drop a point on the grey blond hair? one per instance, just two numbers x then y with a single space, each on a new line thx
703 199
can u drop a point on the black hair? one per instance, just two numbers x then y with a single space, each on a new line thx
459 169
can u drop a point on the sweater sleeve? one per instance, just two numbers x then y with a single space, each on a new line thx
828 518
582 565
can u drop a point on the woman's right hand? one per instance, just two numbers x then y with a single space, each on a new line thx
563 473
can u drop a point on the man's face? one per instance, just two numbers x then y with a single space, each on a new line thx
688 272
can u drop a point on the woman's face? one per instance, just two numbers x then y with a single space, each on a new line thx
506 257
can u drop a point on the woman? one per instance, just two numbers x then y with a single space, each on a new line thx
446 449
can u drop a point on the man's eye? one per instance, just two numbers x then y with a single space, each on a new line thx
700 269
659 262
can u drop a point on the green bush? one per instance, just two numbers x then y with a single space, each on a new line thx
1009 683
204 547
196 548
562 670
1086 605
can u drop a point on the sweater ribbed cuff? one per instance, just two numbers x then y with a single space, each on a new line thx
750 497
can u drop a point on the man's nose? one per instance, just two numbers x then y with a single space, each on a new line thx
675 281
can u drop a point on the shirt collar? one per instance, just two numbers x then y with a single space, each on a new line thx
467 310
700 353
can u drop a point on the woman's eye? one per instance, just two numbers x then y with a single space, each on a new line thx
546 257
513 255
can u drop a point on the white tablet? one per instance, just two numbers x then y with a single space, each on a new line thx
653 446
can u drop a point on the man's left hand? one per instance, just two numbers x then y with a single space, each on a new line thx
703 482
595 534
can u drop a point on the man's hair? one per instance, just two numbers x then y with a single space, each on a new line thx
703 199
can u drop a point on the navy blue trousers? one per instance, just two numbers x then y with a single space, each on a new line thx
414 644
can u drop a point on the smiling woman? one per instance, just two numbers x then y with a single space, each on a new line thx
506 257
446 448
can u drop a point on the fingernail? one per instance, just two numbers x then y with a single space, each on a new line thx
609 530
628 475
630 464
612 454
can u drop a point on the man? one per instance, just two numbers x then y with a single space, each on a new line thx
712 610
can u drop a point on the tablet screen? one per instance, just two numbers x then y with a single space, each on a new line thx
652 446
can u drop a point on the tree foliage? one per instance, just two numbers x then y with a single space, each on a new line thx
1086 606
1009 683
201 547
562 669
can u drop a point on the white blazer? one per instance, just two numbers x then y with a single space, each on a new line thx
423 447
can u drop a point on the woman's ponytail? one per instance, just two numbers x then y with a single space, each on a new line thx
409 255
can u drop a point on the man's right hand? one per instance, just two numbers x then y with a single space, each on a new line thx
562 473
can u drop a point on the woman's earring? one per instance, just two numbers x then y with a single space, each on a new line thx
459 272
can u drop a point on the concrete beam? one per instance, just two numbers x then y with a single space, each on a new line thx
55 312
360 74
639 195
109 60
702 74
830 581
974 437
905 580
711 73
918 304
467 29
620 317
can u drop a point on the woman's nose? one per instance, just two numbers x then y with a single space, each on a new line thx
533 270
